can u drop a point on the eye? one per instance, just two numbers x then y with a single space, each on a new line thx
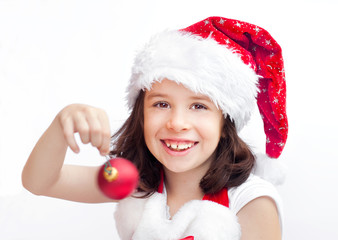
198 106
162 105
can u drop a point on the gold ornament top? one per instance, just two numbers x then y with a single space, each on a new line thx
110 174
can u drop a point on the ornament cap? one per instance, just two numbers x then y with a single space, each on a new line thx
110 174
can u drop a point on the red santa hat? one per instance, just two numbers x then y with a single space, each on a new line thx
236 64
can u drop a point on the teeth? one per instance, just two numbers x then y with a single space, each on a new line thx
180 147
175 146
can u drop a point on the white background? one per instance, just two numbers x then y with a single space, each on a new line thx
53 53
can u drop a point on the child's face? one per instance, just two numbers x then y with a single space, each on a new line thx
182 129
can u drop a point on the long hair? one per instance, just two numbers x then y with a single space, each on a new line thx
230 168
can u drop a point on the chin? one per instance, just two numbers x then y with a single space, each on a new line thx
178 169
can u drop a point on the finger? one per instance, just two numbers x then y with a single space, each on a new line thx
95 130
106 136
82 127
105 147
68 131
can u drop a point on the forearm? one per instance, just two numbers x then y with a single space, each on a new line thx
45 162
45 172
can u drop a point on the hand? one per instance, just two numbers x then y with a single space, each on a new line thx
91 123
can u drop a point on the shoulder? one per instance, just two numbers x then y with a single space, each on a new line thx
258 207
254 187
259 220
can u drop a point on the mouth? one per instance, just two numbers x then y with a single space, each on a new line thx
178 146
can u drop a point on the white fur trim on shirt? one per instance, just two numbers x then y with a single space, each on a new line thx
202 219
147 219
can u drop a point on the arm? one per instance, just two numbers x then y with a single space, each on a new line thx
45 173
259 220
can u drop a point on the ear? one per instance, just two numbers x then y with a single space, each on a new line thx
223 129
223 135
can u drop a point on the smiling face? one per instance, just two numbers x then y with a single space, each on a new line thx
181 128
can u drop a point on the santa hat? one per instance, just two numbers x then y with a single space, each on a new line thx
236 64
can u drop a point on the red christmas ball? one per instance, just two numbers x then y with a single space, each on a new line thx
118 178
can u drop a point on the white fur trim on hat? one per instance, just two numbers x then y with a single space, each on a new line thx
201 65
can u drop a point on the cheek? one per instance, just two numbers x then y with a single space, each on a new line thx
154 120
211 129
151 127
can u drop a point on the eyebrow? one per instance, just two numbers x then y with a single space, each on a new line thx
154 95
205 98
163 95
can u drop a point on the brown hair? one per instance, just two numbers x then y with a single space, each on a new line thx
230 168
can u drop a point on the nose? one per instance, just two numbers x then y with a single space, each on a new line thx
178 121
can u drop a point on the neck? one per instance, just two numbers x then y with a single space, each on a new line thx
182 188
184 185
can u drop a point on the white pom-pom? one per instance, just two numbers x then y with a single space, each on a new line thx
270 169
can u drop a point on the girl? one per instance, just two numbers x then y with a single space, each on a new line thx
190 92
